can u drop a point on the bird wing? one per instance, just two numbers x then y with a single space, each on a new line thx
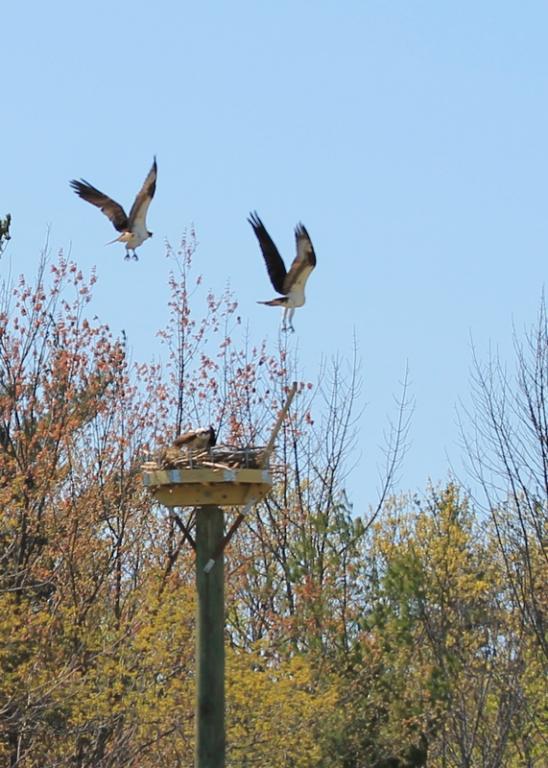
303 264
137 215
273 260
110 207
185 438
190 436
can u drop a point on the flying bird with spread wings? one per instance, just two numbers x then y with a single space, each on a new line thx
133 227
290 284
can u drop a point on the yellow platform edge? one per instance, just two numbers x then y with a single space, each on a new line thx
204 487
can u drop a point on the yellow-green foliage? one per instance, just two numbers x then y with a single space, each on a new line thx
418 638
277 711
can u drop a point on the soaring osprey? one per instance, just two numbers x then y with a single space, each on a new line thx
133 227
200 439
290 284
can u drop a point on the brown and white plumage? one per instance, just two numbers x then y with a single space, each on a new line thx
200 439
133 227
290 284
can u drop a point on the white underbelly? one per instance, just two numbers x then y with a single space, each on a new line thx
295 299
133 239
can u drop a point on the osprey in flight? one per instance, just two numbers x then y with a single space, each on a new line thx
133 227
200 439
290 284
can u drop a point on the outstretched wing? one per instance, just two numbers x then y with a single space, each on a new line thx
137 215
303 264
273 260
110 207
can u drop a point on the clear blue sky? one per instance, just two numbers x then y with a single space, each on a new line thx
410 138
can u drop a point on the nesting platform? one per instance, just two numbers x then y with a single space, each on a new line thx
202 487
222 476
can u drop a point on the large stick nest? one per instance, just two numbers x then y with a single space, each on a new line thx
218 457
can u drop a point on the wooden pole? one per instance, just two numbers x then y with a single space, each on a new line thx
210 650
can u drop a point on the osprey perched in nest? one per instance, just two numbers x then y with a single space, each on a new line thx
133 227
196 440
290 284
